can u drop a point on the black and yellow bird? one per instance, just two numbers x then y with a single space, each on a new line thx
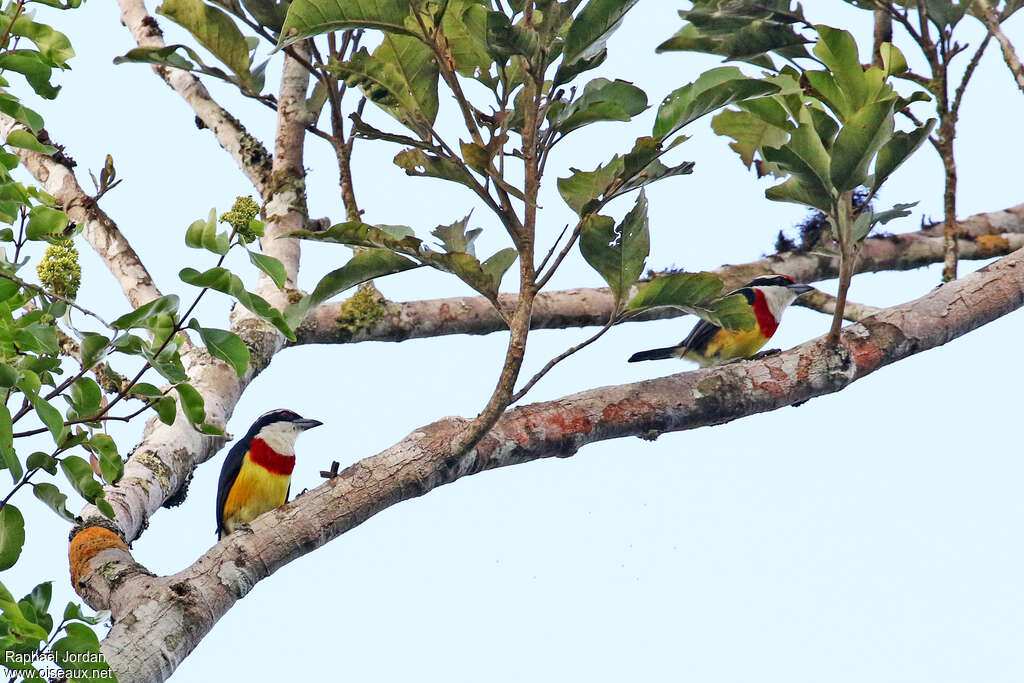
256 476
708 344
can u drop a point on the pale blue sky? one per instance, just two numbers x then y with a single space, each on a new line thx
869 535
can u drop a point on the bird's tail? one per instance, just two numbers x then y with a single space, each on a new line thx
655 354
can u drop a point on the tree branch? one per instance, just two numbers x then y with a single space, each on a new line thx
158 621
248 152
984 12
982 236
55 175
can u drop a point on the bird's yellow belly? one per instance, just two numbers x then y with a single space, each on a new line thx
254 492
726 345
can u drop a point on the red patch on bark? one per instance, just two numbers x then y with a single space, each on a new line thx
445 313
867 357
777 373
266 457
625 410
773 388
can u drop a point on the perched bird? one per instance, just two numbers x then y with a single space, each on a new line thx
257 473
708 344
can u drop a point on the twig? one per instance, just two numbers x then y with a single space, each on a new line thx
559 358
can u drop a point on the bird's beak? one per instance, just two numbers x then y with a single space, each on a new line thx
799 289
308 424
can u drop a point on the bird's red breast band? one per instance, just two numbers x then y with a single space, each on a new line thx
266 457
765 320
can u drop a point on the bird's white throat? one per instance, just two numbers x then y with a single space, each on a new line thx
281 436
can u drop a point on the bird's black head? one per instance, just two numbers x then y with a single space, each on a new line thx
771 281
282 415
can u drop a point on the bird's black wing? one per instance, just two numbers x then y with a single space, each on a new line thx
228 473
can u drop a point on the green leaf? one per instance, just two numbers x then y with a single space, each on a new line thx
54 499
417 162
224 345
694 293
73 612
53 45
602 100
504 39
465 27
838 51
269 13
857 143
111 465
617 252
567 72
166 409
227 282
8 376
191 403
750 133
315 17
44 461
138 317
202 234
93 348
363 267
79 473
40 597
797 191
45 222
12 535
745 31
592 27
8 457
271 266
36 70
215 30
10 105
897 150
893 61
169 56
713 90
86 397
49 415
76 651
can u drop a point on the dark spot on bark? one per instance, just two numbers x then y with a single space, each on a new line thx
200 124
152 27
181 589
178 497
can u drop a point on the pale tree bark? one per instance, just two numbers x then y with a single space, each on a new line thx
158 620
983 236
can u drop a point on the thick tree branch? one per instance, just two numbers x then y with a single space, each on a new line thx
982 236
56 177
159 620
248 152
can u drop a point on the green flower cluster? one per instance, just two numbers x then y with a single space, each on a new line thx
59 270
241 216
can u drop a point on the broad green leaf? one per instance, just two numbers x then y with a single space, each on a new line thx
465 27
215 30
602 100
202 234
86 397
749 132
497 265
224 345
79 473
166 409
417 162
45 222
808 147
54 499
191 403
223 280
111 465
52 44
34 67
592 27
796 191
93 348
10 105
893 61
40 597
269 13
12 535
585 190
315 17
362 267
271 266
617 252
48 415
73 612
713 90
837 49
8 376
8 457
567 72
400 77
170 55
138 317
44 461
694 293
745 31
73 652
897 150
858 141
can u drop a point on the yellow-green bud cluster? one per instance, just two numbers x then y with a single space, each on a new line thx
59 270
241 214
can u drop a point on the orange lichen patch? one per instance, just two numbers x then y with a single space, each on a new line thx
992 245
773 388
777 373
571 421
803 367
86 544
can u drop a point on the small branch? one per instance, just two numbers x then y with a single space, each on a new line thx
984 12
968 72
53 295
559 358
883 34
